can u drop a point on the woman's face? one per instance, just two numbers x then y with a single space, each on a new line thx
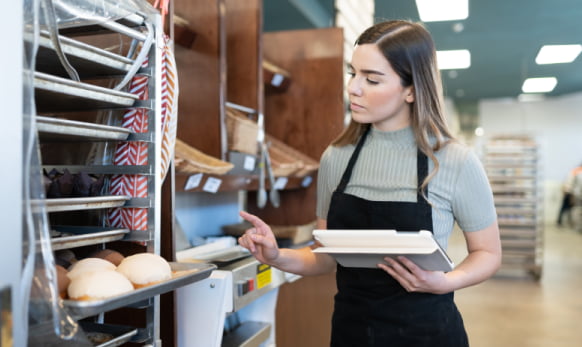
376 94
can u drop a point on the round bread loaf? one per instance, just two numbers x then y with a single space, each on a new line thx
62 281
89 265
110 255
144 269
98 285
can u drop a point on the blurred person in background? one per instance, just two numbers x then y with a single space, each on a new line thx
568 196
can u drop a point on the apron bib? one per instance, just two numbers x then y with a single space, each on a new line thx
372 308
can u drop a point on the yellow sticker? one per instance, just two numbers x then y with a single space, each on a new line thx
263 275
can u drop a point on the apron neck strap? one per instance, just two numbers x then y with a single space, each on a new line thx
421 173
348 171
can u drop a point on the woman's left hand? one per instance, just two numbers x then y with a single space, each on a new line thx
415 279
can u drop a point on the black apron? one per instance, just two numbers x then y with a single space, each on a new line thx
371 307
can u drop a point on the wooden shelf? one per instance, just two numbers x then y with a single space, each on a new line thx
231 183
225 64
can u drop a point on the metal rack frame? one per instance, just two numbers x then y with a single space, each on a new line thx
55 93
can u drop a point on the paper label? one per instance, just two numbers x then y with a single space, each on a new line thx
306 181
280 183
249 163
193 181
277 79
211 185
263 275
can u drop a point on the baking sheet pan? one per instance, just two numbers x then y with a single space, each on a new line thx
64 128
182 274
74 204
88 61
78 236
54 94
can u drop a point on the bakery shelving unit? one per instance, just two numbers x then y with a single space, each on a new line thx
80 130
512 165
307 85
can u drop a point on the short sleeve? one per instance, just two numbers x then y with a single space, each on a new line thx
473 205
324 186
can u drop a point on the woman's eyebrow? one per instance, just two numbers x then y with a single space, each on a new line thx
373 72
367 71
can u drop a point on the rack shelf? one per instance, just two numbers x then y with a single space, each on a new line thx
59 129
89 61
183 274
79 236
57 94
75 204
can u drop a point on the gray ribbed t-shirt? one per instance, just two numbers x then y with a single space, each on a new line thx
386 171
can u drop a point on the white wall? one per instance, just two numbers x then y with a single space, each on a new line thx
452 116
555 122
11 141
202 214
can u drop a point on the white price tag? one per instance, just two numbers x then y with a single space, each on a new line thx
249 163
277 79
193 181
211 185
280 183
306 181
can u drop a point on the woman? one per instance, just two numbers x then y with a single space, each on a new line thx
396 166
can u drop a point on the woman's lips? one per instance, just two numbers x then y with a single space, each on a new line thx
356 107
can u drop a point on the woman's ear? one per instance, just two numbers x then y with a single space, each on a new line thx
410 96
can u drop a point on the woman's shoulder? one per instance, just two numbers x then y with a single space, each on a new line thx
456 147
457 154
336 152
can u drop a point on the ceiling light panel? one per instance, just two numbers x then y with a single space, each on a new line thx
539 85
555 54
455 59
442 10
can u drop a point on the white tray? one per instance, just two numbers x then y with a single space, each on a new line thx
367 248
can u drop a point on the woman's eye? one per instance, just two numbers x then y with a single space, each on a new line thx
352 74
371 81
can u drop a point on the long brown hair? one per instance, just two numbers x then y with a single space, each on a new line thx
409 49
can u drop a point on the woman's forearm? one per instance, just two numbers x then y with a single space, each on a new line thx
304 262
475 268
482 261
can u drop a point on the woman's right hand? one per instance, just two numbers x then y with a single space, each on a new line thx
259 240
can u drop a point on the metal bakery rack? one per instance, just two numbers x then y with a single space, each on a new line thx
512 165
81 127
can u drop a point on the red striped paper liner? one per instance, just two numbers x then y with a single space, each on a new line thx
132 153
169 105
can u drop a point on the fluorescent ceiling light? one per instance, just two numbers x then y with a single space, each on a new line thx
442 10
554 54
539 85
455 59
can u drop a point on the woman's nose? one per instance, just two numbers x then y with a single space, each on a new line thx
354 87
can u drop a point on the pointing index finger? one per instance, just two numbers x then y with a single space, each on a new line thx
254 220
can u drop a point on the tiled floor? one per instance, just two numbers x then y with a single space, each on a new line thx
521 312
